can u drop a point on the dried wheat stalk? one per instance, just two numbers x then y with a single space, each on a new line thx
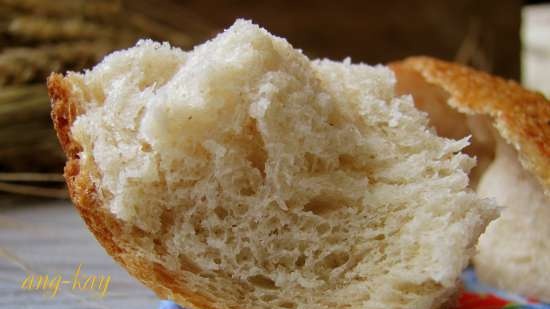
85 8
34 28
26 64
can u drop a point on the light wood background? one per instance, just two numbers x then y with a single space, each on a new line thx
50 238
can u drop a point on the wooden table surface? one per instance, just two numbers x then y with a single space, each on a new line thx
49 238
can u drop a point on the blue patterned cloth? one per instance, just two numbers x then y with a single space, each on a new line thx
473 286
165 304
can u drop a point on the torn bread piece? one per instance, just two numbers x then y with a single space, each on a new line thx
510 129
243 175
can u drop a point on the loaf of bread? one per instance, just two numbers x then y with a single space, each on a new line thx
510 129
243 175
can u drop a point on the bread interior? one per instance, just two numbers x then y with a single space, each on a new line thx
266 180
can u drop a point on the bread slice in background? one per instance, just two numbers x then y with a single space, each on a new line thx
510 129
514 252
243 175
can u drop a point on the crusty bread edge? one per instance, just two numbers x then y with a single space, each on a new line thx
522 117
105 227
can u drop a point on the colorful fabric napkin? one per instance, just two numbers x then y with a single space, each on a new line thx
479 296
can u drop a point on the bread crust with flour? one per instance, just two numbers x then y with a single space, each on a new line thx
244 175
514 253
522 117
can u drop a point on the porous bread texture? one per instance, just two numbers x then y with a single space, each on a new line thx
272 181
446 120
514 252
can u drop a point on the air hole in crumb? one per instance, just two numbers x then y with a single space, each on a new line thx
335 118
220 212
287 304
313 163
244 255
257 155
346 161
187 265
217 232
268 297
208 275
335 259
323 228
300 261
146 147
380 237
257 160
247 191
212 287
273 222
323 206
444 172
429 172
167 219
197 220
262 281
415 288
159 247
239 209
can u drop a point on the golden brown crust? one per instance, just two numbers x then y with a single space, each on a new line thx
521 116
107 229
